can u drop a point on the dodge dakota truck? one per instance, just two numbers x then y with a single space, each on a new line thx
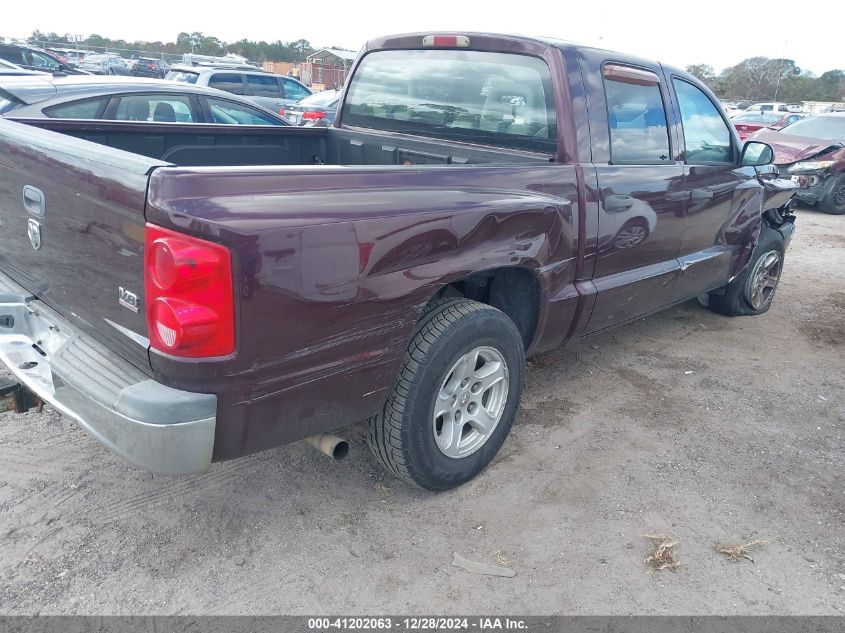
190 293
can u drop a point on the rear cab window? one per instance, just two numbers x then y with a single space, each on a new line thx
497 99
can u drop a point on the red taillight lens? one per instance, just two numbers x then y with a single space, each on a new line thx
445 41
313 116
282 112
189 296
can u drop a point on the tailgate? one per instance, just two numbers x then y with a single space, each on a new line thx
72 231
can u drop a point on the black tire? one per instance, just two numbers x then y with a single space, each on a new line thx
736 299
402 437
833 200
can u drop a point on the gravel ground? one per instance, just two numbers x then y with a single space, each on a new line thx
700 427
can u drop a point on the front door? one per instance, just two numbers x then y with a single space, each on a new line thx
718 193
640 193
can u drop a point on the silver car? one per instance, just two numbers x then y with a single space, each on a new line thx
273 92
105 65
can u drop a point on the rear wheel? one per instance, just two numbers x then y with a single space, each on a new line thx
455 398
833 200
752 292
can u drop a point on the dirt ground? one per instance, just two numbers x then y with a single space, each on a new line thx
700 427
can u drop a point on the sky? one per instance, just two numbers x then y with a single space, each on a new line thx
718 32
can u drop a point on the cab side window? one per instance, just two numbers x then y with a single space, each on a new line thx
636 116
707 138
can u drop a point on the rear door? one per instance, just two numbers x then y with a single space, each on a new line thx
72 231
640 190
717 192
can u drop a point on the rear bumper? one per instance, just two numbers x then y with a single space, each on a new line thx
160 429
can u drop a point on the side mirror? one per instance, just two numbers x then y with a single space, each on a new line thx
756 154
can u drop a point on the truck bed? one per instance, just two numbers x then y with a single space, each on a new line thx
339 237
220 145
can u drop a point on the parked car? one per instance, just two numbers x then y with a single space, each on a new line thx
396 267
8 68
71 57
34 59
150 67
128 99
774 107
105 65
274 92
749 122
316 110
812 153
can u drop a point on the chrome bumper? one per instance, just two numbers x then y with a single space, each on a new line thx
160 429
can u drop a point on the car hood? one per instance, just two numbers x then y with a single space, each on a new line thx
790 148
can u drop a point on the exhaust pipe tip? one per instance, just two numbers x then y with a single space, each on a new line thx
331 445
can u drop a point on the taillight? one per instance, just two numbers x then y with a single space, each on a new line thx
189 295
313 116
282 112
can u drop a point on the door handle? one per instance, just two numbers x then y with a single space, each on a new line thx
701 195
34 201
618 203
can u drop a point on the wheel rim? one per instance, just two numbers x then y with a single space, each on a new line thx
764 280
839 195
630 236
470 402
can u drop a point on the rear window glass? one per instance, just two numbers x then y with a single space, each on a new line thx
263 86
497 99
87 109
182 76
752 117
230 82
294 90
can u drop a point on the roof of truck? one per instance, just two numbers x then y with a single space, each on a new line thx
540 41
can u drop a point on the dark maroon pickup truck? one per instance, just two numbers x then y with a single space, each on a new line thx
195 293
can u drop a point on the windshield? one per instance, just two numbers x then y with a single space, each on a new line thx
830 128
320 99
498 99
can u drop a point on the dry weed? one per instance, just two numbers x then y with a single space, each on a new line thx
735 552
663 556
